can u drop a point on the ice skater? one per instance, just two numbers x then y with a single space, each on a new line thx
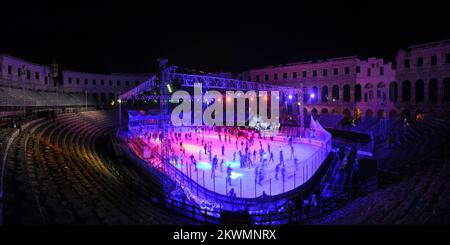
213 172
261 154
229 169
249 160
296 163
231 193
192 158
222 162
215 161
271 157
292 151
281 157
195 165
256 174
261 176
277 170
210 155
223 149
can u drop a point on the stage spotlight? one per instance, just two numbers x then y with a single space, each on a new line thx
290 97
265 97
312 96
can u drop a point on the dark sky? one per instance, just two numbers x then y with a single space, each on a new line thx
107 36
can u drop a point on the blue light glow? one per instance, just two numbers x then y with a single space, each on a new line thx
204 166
235 175
232 164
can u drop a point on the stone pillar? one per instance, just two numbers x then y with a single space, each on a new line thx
341 94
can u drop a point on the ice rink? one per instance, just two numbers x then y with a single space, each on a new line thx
252 180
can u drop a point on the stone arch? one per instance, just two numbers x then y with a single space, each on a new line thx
313 97
381 94
335 92
358 92
433 91
420 88
393 92
406 91
346 93
324 94
314 112
447 89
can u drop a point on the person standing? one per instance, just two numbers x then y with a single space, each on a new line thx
222 162
281 157
256 174
229 169
213 171
292 152
277 170
271 157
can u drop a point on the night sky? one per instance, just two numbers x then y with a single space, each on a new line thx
107 36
